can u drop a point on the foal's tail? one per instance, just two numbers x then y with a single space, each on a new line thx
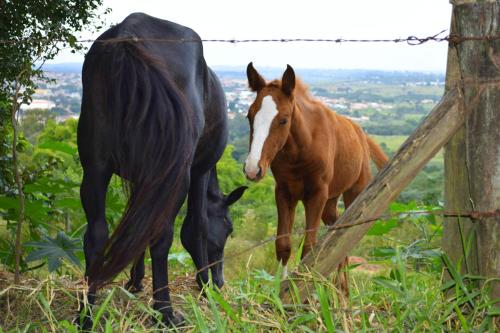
152 141
376 153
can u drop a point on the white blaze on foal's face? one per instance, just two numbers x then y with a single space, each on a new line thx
261 125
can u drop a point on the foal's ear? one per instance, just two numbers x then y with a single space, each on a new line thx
255 81
235 195
288 81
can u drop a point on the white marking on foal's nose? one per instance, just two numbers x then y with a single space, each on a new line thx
284 272
261 125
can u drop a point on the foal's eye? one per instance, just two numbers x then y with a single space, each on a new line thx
283 121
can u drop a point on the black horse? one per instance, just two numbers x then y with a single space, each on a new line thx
154 114
220 227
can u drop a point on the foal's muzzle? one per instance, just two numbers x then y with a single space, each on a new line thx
253 174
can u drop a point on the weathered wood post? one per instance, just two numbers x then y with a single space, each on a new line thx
472 157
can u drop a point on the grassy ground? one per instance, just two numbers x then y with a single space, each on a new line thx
414 303
400 291
393 142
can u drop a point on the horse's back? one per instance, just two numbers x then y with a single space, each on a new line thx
348 155
180 49
176 47
176 50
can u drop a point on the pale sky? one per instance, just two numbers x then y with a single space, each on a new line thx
262 19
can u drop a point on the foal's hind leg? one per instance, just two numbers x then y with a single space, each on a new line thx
134 284
349 196
93 196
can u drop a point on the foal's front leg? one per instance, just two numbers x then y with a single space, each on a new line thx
314 205
286 205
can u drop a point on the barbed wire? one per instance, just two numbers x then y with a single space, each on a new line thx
410 40
473 215
402 215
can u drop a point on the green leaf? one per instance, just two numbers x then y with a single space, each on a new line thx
326 314
50 185
35 210
383 252
181 257
389 284
54 250
262 274
382 227
9 203
71 203
200 321
494 311
302 319
225 306
101 309
457 277
59 146
220 324
461 317
46 306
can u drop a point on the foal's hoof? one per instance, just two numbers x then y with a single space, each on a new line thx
133 287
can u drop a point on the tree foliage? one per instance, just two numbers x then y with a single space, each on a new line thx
32 32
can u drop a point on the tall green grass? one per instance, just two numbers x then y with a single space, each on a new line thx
398 299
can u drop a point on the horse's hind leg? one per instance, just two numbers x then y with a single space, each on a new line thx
159 262
136 275
349 196
330 212
93 197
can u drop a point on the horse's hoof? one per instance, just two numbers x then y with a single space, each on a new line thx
175 320
134 288
83 322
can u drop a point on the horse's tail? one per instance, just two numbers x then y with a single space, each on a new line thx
152 142
376 153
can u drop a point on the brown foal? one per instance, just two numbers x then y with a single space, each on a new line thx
315 155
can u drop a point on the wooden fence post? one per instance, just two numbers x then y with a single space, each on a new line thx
472 157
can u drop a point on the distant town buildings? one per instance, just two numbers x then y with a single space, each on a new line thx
63 96
40 104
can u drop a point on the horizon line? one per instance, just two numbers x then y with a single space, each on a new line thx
273 67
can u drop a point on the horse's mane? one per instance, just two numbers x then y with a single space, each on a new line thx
301 90
302 95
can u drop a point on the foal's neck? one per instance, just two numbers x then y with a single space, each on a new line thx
300 137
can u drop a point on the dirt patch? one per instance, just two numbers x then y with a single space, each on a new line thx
364 266
45 302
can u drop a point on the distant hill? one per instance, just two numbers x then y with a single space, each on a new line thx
336 75
309 75
68 67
